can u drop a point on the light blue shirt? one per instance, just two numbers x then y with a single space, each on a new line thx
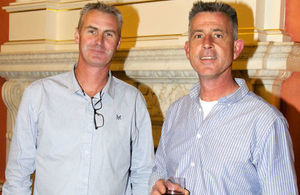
55 136
242 147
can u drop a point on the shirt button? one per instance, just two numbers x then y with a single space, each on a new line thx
192 164
85 179
198 136
200 109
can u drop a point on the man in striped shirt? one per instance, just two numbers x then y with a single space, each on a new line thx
222 138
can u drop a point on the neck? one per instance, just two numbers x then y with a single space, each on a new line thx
214 89
91 79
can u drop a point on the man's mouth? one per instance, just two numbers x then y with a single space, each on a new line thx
208 58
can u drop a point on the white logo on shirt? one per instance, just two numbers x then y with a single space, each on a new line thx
118 117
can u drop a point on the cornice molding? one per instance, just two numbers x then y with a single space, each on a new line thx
166 64
161 74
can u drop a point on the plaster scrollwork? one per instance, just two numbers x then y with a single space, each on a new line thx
12 92
164 76
294 58
160 96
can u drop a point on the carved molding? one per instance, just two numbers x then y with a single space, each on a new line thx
158 68
161 74
293 60
12 91
157 62
38 58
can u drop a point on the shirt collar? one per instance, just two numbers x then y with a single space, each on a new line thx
75 87
229 99
109 87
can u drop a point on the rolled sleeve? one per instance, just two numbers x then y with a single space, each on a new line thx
276 165
142 148
21 163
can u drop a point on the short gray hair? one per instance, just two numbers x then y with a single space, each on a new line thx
200 6
99 6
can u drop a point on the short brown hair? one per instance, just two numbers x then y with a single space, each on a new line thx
99 6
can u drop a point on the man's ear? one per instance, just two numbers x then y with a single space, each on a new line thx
238 47
187 49
76 35
119 43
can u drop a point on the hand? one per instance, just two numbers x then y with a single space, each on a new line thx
160 188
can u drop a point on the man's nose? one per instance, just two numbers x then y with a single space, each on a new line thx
207 42
100 39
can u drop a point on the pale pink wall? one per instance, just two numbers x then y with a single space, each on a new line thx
290 107
290 91
292 19
3 111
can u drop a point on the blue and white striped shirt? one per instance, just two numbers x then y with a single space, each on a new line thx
242 147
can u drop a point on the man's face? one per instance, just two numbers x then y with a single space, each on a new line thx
211 47
98 39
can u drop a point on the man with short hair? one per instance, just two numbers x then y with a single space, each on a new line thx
84 131
222 138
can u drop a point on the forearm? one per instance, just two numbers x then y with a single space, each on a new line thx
142 149
17 173
21 157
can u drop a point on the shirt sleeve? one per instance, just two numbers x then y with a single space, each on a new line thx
276 164
142 148
21 163
159 170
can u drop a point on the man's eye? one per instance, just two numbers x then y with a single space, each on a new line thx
92 32
218 36
198 36
108 34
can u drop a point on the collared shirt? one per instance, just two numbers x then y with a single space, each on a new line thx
55 136
242 147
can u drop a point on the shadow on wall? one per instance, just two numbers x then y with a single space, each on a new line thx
129 35
245 22
293 117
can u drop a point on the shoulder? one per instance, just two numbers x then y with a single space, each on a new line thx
265 118
59 78
121 87
183 101
263 109
180 106
37 88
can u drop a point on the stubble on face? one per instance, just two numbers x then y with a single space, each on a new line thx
98 39
210 46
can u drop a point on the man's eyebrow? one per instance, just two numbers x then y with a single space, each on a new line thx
218 30
214 30
110 30
196 31
91 27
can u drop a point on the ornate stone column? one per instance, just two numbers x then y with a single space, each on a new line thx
12 91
